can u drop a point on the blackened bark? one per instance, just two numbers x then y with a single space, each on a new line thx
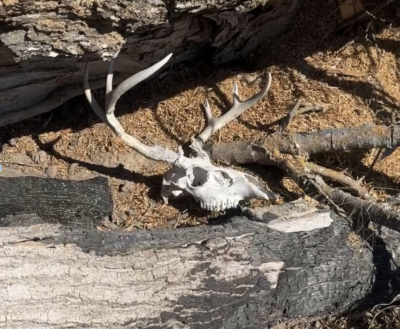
246 272
72 203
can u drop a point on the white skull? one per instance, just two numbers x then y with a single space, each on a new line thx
214 187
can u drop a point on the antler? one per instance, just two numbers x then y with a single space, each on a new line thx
214 187
236 110
156 152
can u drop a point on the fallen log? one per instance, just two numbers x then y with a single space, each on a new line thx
72 203
287 261
44 47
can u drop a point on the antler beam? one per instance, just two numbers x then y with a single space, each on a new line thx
156 152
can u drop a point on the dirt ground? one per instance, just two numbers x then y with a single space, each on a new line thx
355 79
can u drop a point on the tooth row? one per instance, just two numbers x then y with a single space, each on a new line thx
219 206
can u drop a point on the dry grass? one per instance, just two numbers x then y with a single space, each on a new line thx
358 84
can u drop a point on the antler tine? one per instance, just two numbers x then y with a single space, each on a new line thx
109 84
236 110
88 93
207 111
133 81
156 152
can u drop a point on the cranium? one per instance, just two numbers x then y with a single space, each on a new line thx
215 188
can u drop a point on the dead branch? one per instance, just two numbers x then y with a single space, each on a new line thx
41 70
304 174
358 209
299 108
239 274
53 100
306 144
72 203
340 178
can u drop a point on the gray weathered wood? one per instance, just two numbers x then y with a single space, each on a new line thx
245 272
324 141
44 45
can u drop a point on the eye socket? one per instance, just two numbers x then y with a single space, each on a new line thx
198 177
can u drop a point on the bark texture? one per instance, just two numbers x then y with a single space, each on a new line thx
44 45
245 272
72 203
306 144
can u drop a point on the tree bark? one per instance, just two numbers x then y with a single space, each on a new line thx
306 144
248 271
72 203
45 44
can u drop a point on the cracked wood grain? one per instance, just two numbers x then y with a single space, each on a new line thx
240 273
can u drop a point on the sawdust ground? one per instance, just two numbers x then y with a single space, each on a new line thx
357 82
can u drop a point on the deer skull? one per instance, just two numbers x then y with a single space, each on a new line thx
216 188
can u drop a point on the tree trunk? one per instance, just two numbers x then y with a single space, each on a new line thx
45 44
286 261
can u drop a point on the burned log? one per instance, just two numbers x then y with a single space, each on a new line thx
71 203
248 271
44 45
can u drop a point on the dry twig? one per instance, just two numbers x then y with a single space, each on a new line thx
339 178
360 209
353 207
299 108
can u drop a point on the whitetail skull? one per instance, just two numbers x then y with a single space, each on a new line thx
215 188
